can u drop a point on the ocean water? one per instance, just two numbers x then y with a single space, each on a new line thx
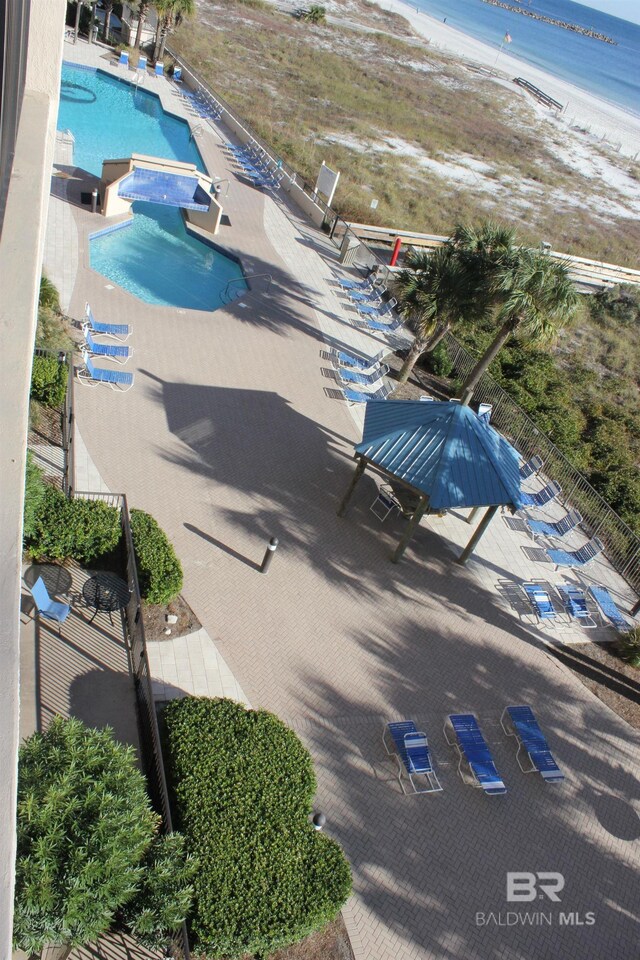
611 72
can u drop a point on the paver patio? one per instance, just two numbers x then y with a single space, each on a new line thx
229 438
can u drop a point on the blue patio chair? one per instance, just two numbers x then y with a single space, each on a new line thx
177 75
117 379
117 352
412 755
355 284
574 600
370 296
46 607
554 529
530 467
367 310
607 607
484 412
359 396
540 602
362 364
472 748
363 379
531 739
576 558
124 59
382 325
541 497
119 331
142 64
159 70
385 503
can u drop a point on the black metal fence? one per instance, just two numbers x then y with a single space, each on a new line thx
68 461
622 545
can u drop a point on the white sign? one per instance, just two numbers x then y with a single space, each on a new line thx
374 204
327 182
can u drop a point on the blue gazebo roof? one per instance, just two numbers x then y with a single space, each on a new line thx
443 450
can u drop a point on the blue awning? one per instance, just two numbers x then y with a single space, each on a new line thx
443 450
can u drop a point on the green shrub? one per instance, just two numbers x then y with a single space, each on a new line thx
84 824
159 570
81 529
244 785
52 331
629 646
314 14
437 361
34 491
49 381
162 903
49 296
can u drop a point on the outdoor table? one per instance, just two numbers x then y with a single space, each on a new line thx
105 591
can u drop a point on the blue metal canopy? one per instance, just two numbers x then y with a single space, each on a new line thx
443 450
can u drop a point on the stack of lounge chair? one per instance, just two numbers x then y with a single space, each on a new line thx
119 352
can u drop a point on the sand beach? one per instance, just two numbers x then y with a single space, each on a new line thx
603 120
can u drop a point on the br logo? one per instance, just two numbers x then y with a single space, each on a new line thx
524 887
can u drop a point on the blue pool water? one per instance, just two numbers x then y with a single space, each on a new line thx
154 258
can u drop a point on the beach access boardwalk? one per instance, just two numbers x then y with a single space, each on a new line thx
229 438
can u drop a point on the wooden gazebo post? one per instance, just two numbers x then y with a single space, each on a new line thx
360 468
418 513
477 533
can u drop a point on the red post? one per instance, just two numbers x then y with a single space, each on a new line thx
396 251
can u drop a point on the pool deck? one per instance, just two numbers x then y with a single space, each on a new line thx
231 435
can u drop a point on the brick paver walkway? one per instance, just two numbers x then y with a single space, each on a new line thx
229 438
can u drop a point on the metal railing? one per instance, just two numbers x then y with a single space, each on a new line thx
622 545
68 465
150 743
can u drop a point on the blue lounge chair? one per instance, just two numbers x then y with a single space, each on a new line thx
377 313
530 467
177 75
556 529
362 364
159 70
412 754
46 607
472 748
117 379
359 396
574 600
541 497
117 352
382 325
540 602
355 284
576 558
531 739
363 379
370 295
124 59
119 331
608 609
142 64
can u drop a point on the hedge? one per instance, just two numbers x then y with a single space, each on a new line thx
82 529
34 491
243 785
49 381
159 570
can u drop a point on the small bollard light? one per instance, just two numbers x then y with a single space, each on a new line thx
94 200
318 820
272 546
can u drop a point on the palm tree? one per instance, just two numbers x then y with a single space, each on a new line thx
170 15
432 292
108 10
143 10
533 296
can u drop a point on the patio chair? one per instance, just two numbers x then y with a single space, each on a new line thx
372 379
159 70
370 296
574 600
119 331
531 739
389 327
117 352
177 75
576 558
142 64
541 497
554 529
607 607
541 603
472 748
530 467
367 310
412 755
360 396
362 364
484 412
46 607
355 284
385 503
124 59
117 379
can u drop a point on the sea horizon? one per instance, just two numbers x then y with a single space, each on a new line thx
608 71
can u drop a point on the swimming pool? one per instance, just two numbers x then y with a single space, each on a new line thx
153 258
